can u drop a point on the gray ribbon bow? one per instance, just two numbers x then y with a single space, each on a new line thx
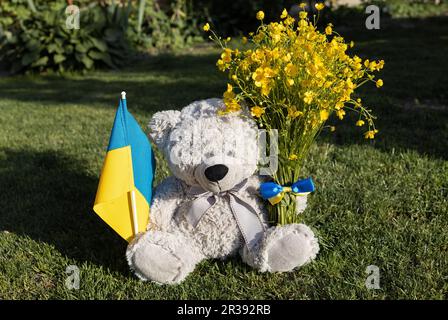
245 215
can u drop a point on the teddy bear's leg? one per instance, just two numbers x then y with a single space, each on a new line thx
162 257
283 248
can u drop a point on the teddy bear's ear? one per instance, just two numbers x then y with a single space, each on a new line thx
161 124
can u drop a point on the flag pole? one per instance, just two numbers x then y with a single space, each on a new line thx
133 201
134 212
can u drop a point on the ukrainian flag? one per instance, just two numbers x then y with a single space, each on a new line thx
124 189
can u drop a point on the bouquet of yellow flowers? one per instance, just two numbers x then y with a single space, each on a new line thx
293 77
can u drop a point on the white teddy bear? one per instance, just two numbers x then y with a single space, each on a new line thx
211 208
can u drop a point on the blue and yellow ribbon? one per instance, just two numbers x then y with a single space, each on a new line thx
274 192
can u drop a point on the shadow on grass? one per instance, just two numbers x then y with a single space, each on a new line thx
162 82
48 197
412 107
401 128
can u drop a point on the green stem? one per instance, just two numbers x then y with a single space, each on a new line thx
32 6
141 14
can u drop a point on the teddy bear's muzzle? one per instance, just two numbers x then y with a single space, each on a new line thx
216 172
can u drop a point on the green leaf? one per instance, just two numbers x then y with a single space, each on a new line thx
81 48
96 54
69 49
99 44
41 62
52 47
112 34
29 57
103 56
87 62
32 44
58 58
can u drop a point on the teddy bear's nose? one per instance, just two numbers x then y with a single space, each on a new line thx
216 172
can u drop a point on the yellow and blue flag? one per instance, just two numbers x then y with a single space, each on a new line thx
125 187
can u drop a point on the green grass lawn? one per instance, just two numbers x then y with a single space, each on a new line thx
381 202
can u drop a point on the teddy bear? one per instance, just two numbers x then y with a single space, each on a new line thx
210 208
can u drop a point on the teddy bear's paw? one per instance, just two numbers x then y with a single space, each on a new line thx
161 257
290 246
153 262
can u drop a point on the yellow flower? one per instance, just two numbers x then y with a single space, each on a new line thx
226 56
319 6
284 14
302 5
257 111
206 27
220 64
379 83
265 89
297 67
373 66
289 21
324 115
350 85
258 77
332 128
293 113
231 105
228 95
352 44
370 134
309 95
293 157
269 73
291 70
340 113
258 37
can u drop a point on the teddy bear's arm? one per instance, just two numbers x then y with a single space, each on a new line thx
167 196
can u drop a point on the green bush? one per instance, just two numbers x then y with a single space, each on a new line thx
40 41
169 26
412 8
237 17
37 40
